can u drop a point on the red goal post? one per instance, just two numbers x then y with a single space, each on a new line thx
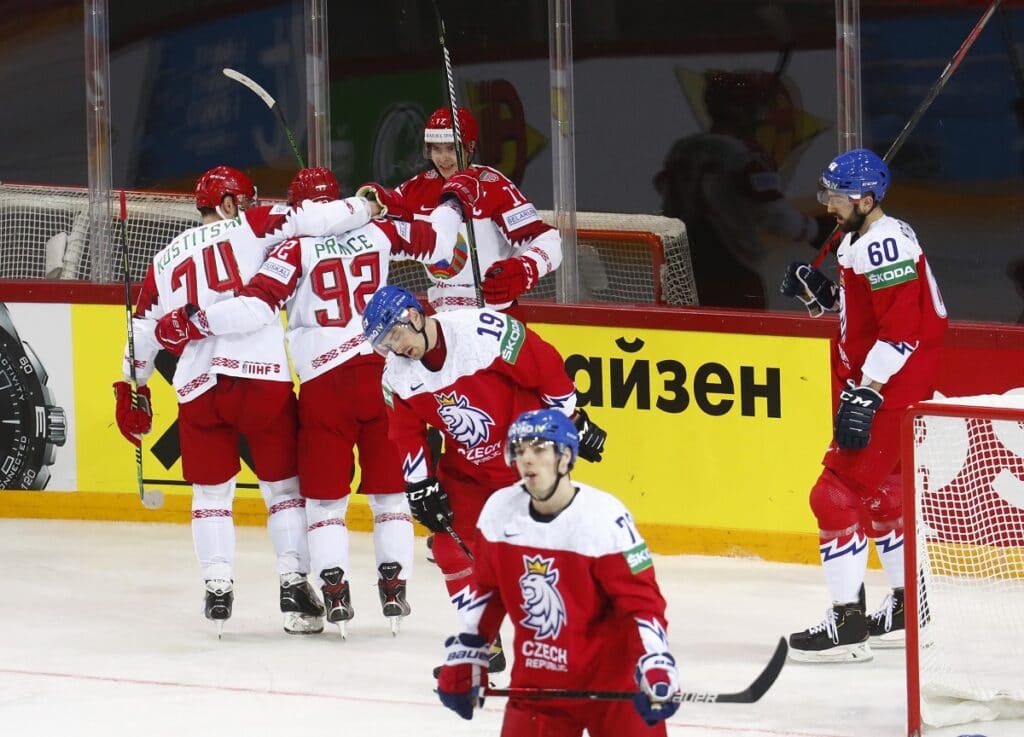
963 473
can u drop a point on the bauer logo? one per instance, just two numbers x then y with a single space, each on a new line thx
890 276
638 558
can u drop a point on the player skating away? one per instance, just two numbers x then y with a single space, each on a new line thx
233 384
469 373
514 246
325 282
566 563
886 356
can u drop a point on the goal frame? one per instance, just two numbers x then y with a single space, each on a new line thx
910 552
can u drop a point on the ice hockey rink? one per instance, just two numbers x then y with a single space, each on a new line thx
103 634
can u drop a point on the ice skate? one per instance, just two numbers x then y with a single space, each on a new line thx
392 594
301 607
886 625
220 596
842 637
337 598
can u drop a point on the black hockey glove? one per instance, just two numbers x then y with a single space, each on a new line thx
591 437
818 293
428 503
857 407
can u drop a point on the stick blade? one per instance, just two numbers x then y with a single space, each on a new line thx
763 682
152 498
251 84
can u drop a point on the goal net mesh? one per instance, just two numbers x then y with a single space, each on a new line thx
968 533
45 233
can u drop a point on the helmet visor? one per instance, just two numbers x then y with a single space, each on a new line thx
390 341
517 448
835 197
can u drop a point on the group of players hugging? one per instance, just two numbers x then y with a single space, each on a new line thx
513 533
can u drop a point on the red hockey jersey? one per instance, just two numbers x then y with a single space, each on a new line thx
580 590
891 316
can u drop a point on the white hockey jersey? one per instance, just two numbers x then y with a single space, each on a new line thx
211 263
505 224
325 283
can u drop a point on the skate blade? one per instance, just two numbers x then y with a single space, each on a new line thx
890 640
396 625
220 627
856 653
299 624
343 628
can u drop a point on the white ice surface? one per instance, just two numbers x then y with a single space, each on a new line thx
102 634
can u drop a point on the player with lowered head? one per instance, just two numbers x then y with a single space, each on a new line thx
515 247
565 561
232 385
885 357
325 283
469 373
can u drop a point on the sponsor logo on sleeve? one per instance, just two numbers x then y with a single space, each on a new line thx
517 217
389 395
278 270
404 230
889 276
638 558
512 341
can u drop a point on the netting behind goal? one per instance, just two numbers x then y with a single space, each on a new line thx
44 233
964 515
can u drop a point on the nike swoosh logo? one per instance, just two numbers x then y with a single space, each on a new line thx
511 534
414 388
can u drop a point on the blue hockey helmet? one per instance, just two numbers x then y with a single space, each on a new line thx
855 174
543 424
388 307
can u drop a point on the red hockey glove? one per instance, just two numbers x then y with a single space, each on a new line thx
658 680
464 188
133 421
461 682
176 329
391 203
508 278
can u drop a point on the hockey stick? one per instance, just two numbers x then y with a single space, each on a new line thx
150 499
951 66
272 104
460 155
455 536
749 695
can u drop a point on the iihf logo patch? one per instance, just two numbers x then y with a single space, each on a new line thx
466 424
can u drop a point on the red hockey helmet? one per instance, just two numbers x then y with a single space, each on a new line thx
315 183
439 127
213 186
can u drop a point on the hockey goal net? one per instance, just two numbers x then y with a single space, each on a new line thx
45 233
964 513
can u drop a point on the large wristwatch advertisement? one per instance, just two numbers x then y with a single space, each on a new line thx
32 426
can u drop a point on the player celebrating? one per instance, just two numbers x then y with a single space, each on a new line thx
569 558
469 373
326 283
886 356
514 246
233 384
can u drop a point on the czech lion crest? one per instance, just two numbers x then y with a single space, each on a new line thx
465 423
545 610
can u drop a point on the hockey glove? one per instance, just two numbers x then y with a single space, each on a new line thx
817 292
389 200
136 420
463 677
857 407
658 680
428 503
508 278
177 329
464 188
591 437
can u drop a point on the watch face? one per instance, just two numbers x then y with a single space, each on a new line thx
22 415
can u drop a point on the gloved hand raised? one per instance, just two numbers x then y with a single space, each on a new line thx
463 677
592 437
389 201
464 188
658 680
136 420
818 293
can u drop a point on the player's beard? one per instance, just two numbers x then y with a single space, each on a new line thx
854 222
